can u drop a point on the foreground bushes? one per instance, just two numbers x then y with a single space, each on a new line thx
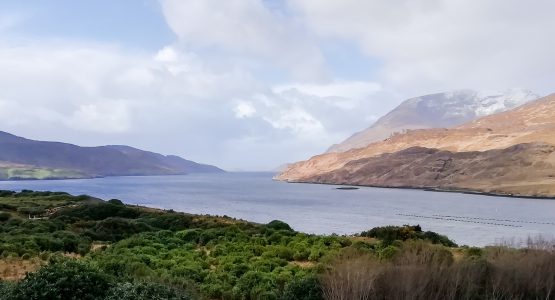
428 272
74 280
227 262
389 234
151 254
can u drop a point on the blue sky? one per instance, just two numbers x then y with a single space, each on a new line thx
252 84
133 23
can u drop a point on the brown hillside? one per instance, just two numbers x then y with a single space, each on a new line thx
531 123
522 170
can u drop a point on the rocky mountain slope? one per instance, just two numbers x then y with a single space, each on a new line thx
439 110
22 158
523 169
529 129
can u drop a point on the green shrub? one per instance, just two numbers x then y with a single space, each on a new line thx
303 288
116 228
99 211
115 202
145 291
67 279
4 193
474 252
279 225
389 234
170 221
388 252
5 216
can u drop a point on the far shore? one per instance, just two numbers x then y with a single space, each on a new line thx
431 189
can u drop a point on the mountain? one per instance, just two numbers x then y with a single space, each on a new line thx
436 111
523 169
23 158
281 168
504 153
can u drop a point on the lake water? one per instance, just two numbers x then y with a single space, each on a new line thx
467 219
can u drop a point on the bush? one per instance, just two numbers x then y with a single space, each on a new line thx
145 291
115 229
4 216
279 225
474 252
388 252
66 279
170 221
116 202
304 288
4 193
390 234
99 211
7 289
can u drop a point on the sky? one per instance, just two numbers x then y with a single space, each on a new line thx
252 84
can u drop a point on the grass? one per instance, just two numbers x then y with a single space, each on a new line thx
15 268
39 204
20 173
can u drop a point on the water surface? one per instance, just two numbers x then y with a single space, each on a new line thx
468 219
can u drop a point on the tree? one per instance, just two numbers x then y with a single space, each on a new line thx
305 288
279 225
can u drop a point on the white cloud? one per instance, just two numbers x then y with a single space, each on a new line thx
112 117
166 54
20 114
347 89
434 45
168 101
248 29
346 95
298 121
244 110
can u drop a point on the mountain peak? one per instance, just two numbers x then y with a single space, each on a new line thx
6 137
442 110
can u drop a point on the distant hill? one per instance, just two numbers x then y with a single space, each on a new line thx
512 152
439 110
22 158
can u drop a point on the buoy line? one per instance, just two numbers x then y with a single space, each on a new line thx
458 220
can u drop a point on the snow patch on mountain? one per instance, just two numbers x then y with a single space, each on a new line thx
497 102
437 110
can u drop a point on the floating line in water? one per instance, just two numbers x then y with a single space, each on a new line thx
498 220
436 217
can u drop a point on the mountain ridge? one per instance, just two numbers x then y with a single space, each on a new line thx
520 170
98 161
531 123
446 109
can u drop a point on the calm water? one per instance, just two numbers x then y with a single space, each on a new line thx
468 219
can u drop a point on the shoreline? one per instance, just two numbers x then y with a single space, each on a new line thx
104 176
429 189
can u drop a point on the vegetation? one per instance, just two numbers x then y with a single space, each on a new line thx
84 248
390 234
420 270
15 173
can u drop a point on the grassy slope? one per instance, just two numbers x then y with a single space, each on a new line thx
14 173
